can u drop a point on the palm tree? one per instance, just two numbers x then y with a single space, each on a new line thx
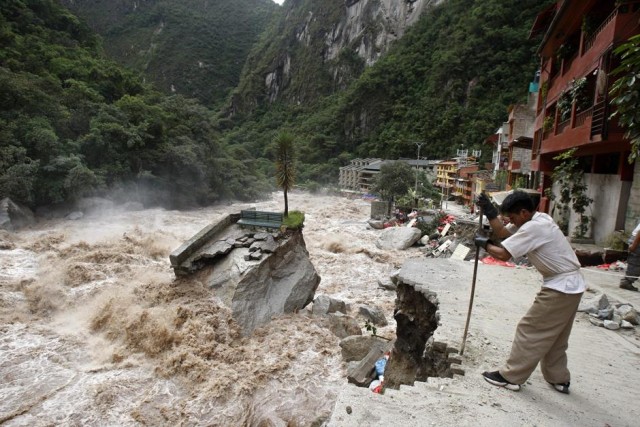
285 165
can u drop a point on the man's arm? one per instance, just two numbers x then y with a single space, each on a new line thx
499 230
498 252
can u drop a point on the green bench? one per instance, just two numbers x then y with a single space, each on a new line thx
260 219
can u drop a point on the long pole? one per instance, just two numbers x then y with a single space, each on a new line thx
473 291
419 144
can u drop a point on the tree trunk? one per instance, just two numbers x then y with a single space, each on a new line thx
286 204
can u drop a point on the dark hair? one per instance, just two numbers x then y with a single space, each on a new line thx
517 201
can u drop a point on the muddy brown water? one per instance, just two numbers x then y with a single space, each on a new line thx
96 329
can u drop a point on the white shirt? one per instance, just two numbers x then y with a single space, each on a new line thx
634 233
549 252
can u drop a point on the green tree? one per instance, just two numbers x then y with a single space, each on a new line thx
394 180
626 92
285 165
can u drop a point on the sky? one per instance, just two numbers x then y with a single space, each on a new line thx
278 1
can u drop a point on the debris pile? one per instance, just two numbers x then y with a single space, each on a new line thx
610 316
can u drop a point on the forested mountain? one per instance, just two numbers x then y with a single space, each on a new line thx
447 82
73 123
195 48
345 78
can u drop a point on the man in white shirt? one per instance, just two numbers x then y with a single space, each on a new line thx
542 335
633 261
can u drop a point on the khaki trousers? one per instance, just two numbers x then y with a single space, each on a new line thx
543 336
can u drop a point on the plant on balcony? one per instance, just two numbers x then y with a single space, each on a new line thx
547 124
564 106
544 89
578 94
566 50
570 179
625 93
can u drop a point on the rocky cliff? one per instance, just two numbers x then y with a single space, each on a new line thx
317 48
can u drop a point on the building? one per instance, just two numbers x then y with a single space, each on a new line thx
359 176
350 176
574 109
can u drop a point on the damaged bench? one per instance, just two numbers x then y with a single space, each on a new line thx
260 219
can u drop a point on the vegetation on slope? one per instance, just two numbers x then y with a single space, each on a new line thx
191 47
73 123
448 82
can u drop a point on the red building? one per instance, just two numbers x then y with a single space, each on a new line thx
573 107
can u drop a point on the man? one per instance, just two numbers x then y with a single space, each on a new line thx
543 333
633 261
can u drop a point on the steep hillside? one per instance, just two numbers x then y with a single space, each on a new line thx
74 124
194 48
447 82
318 48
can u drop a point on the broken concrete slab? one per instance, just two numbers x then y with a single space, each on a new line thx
356 347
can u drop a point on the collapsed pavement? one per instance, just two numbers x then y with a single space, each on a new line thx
256 274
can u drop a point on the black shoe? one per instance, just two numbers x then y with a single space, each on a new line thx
496 379
561 387
628 286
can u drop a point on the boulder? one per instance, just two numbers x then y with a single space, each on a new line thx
376 224
342 325
398 238
284 281
386 284
374 314
324 304
356 347
594 304
74 216
628 313
14 215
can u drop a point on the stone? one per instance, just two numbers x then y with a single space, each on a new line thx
282 282
386 284
606 313
343 326
356 347
267 245
14 215
626 325
628 313
373 314
363 372
594 304
610 324
255 255
324 304
399 238
376 224
596 322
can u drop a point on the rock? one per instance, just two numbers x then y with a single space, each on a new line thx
255 255
74 216
267 245
217 249
606 313
324 304
376 224
594 304
386 284
398 238
343 326
626 325
363 372
282 282
374 314
596 322
424 240
610 324
14 215
628 313
356 347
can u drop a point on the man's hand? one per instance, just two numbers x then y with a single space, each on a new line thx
487 207
482 241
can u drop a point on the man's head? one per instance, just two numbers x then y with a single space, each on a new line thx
519 207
